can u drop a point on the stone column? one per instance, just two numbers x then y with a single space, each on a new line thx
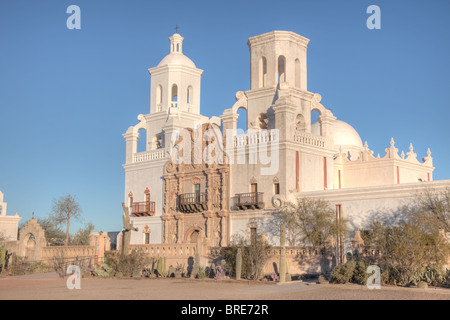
180 227
131 138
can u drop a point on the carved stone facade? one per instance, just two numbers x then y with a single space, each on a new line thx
196 196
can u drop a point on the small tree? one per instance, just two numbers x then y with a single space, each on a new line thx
53 234
63 210
431 210
314 220
408 250
254 255
82 237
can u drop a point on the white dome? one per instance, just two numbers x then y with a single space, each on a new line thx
176 59
343 134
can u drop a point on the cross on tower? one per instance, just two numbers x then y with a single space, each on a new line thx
176 28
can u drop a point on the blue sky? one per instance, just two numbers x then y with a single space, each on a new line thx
67 96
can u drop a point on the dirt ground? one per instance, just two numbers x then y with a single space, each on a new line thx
51 287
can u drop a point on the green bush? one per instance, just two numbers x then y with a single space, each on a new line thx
344 272
254 256
360 275
128 265
104 270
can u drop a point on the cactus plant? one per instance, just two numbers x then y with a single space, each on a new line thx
160 267
288 275
3 258
283 252
219 272
223 264
164 268
196 267
212 270
238 264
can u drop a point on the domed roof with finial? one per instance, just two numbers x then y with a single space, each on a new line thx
176 56
343 134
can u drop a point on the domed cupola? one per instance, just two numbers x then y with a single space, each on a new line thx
345 138
175 81
176 56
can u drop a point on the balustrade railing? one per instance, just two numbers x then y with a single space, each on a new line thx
250 200
150 155
192 202
141 209
310 139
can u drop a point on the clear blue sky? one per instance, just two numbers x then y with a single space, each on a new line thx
67 96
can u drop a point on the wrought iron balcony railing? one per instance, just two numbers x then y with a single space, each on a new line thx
192 202
143 209
250 200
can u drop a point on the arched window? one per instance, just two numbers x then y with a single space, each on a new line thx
316 126
297 73
174 96
159 98
190 98
262 72
142 141
281 69
157 141
242 119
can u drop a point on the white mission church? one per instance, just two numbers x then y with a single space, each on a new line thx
192 201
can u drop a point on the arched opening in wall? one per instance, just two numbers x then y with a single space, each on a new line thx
194 237
142 141
157 141
159 98
178 47
242 119
262 72
316 127
300 124
174 96
190 98
30 247
297 73
281 69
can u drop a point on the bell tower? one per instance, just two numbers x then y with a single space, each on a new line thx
278 57
175 82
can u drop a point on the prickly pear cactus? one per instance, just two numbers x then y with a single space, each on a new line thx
196 267
164 267
238 264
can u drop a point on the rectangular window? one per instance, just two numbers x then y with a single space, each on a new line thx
276 188
147 238
197 192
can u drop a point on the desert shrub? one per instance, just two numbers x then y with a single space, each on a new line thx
254 256
344 272
408 250
104 270
128 265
